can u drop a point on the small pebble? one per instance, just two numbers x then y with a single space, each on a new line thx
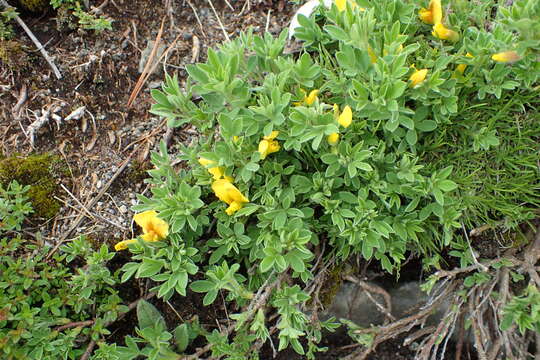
99 184
123 209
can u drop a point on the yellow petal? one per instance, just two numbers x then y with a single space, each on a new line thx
345 119
145 218
206 162
273 146
150 223
235 139
418 77
506 57
122 245
234 207
150 236
442 32
263 148
333 139
311 97
426 16
217 172
227 192
436 11
461 68
272 135
341 4
372 55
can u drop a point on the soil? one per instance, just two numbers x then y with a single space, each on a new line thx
99 72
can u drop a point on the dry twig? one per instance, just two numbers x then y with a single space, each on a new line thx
92 202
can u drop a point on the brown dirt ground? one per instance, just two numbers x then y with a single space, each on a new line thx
99 72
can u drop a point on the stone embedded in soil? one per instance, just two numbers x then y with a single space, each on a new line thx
145 55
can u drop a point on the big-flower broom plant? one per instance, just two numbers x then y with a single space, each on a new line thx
323 156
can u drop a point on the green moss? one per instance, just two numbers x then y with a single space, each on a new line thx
332 285
41 172
12 54
34 5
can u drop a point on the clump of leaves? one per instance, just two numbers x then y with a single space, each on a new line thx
40 298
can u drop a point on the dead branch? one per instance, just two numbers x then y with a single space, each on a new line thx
371 288
23 95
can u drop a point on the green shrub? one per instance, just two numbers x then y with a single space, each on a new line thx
39 296
365 144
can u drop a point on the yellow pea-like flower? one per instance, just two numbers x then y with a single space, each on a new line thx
216 171
269 145
333 139
418 77
433 14
461 67
345 119
154 229
506 57
228 193
443 33
310 99
372 55
341 4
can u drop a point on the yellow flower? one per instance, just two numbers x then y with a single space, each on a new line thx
333 139
425 16
345 119
123 245
228 193
308 99
235 139
418 77
461 67
154 229
216 171
342 5
506 57
268 145
372 55
433 14
443 33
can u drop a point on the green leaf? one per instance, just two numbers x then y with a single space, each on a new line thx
181 337
129 269
426 125
196 73
296 263
447 185
149 316
266 264
336 33
149 267
201 286
439 197
210 297
411 137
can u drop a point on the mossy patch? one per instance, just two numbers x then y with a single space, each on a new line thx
13 55
35 6
41 173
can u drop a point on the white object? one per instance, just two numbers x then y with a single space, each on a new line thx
306 10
